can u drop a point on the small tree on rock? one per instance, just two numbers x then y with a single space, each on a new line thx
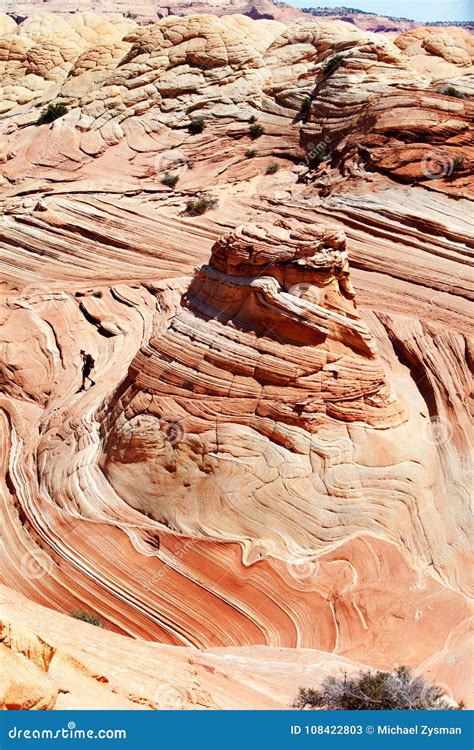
333 64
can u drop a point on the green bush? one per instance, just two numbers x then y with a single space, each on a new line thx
82 614
271 169
451 91
305 106
333 64
196 125
375 691
256 130
458 163
170 180
250 153
51 113
252 118
199 206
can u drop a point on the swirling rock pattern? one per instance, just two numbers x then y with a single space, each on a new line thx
276 452
90 668
265 352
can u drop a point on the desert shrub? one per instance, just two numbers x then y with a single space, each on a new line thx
252 118
458 163
256 130
375 691
333 64
51 113
271 169
199 206
305 106
451 91
250 153
82 614
196 125
170 180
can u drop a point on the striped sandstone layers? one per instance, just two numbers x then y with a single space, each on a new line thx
261 378
276 453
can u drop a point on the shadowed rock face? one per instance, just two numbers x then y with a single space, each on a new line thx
276 450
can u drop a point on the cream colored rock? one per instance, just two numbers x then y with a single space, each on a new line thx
23 685
455 45
97 669
7 25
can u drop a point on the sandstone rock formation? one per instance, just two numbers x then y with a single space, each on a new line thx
91 668
276 453
286 13
148 12
257 377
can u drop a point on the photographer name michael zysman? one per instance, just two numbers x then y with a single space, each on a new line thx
421 729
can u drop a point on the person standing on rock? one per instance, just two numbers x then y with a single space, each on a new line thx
87 367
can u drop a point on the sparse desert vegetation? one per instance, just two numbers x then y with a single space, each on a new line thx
196 125
199 206
376 690
89 617
256 130
170 180
51 113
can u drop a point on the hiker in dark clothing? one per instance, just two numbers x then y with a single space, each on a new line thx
87 367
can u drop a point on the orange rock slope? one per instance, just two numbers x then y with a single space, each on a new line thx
51 661
271 475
